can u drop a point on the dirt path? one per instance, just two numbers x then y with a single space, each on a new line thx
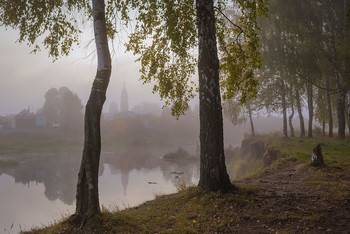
298 198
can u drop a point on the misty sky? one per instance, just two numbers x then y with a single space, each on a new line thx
26 77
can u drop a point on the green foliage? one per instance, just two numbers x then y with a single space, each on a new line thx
164 37
246 168
54 23
289 159
240 56
234 112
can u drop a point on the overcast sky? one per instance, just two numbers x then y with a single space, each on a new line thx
26 77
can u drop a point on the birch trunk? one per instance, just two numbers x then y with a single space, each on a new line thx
300 113
87 188
292 113
284 109
213 174
251 120
329 109
310 108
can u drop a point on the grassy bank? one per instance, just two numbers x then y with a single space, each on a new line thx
287 197
336 153
38 142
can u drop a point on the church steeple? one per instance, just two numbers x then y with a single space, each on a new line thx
124 103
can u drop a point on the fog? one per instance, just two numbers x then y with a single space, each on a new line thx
42 106
25 77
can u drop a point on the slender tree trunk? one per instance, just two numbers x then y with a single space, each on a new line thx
310 108
300 113
251 120
329 109
340 105
347 72
213 174
346 68
323 126
87 187
292 112
284 109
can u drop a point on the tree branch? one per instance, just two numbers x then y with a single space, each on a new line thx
230 22
320 87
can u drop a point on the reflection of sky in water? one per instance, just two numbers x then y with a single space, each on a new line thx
42 189
115 192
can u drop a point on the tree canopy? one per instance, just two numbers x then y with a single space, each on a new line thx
165 39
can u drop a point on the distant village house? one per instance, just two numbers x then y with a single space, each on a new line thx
23 120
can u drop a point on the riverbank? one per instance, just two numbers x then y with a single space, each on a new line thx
48 141
287 196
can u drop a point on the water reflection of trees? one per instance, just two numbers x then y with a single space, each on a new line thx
58 172
177 172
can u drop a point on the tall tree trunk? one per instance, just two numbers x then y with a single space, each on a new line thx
213 174
329 109
310 108
284 109
347 72
251 120
292 112
87 187
300 113
340 105
323 126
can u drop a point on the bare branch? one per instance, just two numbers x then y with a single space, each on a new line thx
320 87
230 22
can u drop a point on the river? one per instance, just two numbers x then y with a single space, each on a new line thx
41 189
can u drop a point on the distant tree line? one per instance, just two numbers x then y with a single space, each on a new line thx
146 130
306 56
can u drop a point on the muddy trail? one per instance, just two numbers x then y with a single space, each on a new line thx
297 198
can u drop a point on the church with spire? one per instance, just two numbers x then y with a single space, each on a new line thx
124 105
124 102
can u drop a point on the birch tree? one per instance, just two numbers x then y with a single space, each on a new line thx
55 25
165 38
239 113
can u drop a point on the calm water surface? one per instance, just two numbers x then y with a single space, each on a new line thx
41 189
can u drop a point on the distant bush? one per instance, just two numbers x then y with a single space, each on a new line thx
317 131
240 168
